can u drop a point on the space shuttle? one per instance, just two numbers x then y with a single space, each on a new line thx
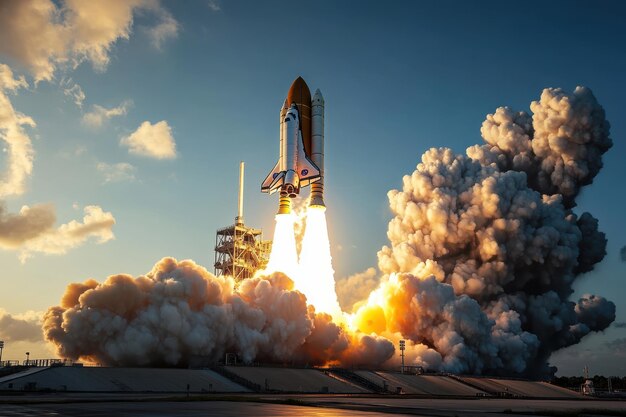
301 148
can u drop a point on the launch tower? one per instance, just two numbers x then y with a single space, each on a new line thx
240 250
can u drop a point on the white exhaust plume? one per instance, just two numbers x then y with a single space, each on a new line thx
485 247
179 309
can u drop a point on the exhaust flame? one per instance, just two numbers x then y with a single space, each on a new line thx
313 275
316 277
283 257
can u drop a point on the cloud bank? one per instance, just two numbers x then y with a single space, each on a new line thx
19 146
41 35
20 328
31 229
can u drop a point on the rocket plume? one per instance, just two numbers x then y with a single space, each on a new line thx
484 250
313 273
316 273
283 257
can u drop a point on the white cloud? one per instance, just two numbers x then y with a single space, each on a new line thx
214 5
41 35
73 91
96 224
32 230
21 327
120 172
167 28
151 140
19 147
99 115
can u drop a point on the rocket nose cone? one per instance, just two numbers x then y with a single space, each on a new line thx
299 92
317 97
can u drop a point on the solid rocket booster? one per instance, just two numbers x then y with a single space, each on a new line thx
317 148
301 150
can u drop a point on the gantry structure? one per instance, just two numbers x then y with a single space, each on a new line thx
240 250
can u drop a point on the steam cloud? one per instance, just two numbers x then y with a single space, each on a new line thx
484 250
485 247
179 310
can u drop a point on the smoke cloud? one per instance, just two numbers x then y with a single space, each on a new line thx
484 247
179 309
355 288
484 251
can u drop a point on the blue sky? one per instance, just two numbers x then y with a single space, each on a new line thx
397 77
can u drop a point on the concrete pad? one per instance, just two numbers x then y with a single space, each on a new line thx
96 379
295 380
438 385
520 388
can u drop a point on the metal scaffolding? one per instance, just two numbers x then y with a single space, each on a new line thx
240 250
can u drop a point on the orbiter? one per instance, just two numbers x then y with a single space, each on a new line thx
301 151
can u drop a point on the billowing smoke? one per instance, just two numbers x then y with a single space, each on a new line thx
485 247
484 251
179 310
350 290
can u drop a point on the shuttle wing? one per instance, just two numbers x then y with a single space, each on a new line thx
307 170
274 180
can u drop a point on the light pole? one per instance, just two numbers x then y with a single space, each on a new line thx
27 358
1 349
402 347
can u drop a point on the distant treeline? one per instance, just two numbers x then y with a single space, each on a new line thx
599 382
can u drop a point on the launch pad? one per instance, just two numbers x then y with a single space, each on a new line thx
272 379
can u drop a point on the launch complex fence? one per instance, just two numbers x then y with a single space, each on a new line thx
40 363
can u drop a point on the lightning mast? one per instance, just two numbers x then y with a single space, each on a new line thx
240 250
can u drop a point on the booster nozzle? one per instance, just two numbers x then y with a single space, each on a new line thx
284 205
317 195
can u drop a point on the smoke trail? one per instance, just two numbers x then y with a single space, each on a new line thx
179 309
484 248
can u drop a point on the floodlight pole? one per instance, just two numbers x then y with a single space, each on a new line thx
402 347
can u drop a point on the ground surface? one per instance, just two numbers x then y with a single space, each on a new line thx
146 405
